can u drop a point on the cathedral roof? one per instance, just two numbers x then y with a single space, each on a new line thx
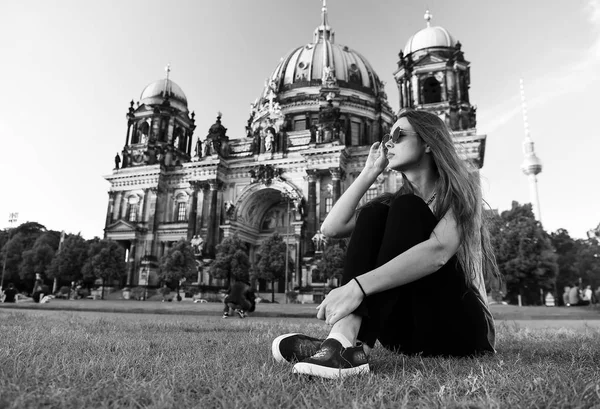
156 92
429 37
308 65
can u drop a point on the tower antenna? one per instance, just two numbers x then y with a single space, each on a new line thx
532 165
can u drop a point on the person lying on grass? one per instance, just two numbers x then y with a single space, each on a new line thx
429 238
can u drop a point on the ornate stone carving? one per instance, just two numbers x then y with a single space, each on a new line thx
265 174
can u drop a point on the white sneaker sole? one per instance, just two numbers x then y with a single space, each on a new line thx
275 347
330 373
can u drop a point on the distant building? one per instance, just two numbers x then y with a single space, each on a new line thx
307 138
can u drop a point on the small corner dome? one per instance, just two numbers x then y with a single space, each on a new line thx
156 92
430 37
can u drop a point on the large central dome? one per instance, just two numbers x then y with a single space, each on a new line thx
320 93
312 63
305 66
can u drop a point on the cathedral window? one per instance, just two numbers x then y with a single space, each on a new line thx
299 124
181 211
328 204
371 194
355 133
132 208
432 91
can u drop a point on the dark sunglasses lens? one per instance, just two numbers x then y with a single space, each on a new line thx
385 139
396 135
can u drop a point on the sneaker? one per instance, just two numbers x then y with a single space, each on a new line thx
333 361
294 347
225 315
241 313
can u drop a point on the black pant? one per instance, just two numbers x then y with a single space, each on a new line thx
436 315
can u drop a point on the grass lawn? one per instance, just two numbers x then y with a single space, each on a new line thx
64 359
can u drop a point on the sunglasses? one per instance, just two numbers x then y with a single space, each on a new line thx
396 135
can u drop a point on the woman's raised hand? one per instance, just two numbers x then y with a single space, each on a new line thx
377 160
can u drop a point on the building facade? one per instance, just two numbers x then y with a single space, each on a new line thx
307 138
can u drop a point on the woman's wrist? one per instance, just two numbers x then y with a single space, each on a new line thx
360 287
369 175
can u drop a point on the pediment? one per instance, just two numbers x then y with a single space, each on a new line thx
121 226
430 59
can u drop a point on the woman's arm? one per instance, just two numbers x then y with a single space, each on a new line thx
417 262
340 221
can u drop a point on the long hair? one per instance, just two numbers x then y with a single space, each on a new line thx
458 188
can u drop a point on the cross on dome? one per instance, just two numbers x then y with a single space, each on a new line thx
428 16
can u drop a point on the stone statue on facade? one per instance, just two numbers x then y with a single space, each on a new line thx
117 161
198 149
319 240
269 139
197 243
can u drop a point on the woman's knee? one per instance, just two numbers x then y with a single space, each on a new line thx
373 213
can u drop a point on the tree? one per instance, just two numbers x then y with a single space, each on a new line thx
37 260
587 262
12 256
231 260
524 254
270 261
106 260
177 264
67 265
15 242
332 262
566 250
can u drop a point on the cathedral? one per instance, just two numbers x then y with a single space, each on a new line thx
307 138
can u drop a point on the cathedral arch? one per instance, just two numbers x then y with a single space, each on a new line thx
432 91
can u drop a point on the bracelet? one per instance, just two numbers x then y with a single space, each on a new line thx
360 286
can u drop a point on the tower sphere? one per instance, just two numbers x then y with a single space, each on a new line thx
532 165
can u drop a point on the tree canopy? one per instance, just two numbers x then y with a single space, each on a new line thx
178 263
270 261
332 262
231 260
68 264
524 254
106 260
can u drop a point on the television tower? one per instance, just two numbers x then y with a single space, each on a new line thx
532 165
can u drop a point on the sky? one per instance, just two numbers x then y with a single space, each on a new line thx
71 67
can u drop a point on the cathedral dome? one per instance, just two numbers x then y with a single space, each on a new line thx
313 63
429 37
156 93
306 66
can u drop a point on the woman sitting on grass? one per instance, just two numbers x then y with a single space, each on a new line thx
414 272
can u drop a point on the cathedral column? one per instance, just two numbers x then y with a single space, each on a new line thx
311 213
443 87
189 142
153 221
131 262
336 175
212 218
109 210
123 210
117 206
457 86
193 215
128 133
401 92
144 206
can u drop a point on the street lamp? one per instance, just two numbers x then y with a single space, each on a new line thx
12 219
